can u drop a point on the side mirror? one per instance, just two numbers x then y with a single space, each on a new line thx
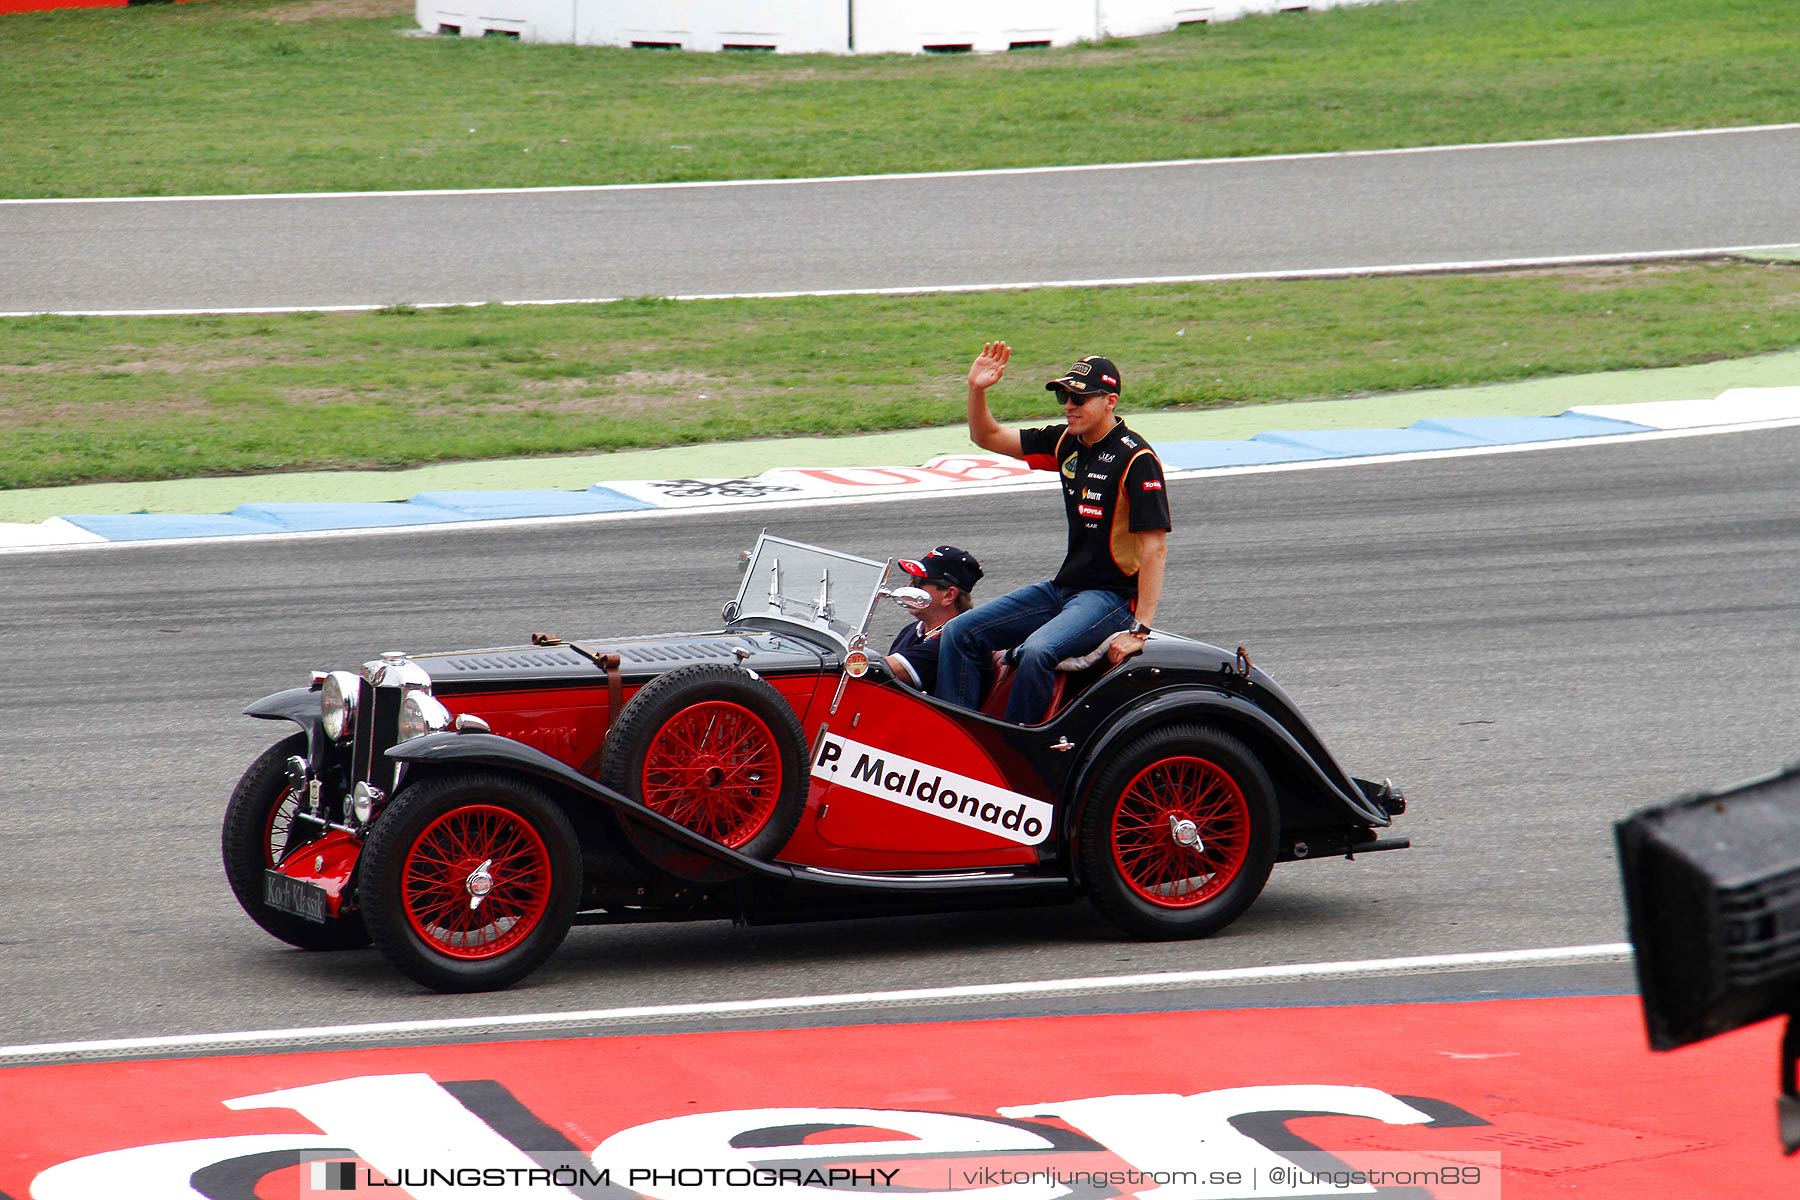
912 599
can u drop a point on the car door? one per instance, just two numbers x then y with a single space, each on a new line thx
899 781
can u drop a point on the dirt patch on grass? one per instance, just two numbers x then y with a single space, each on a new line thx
1598 275
146 366
339 10
630 394
60 419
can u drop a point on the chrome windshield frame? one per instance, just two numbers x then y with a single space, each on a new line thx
827 591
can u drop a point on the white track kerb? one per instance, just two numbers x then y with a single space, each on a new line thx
1556 956
1736 409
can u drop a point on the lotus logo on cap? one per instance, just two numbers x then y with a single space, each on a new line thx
1091 374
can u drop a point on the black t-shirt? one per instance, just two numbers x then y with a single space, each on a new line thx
921 651
1102 553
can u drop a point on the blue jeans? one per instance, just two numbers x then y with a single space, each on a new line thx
1047 622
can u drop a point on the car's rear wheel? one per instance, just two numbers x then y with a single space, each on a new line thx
717 750
258 833
1179 834
470 880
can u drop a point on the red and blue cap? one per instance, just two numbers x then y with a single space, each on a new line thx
945 563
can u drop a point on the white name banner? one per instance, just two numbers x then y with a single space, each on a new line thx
928 789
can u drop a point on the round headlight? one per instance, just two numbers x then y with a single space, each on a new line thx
364 800
338 703
420 714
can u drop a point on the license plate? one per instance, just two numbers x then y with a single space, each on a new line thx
294 896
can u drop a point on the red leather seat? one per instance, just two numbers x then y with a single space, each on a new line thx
995 704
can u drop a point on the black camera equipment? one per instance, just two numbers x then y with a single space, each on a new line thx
1712 894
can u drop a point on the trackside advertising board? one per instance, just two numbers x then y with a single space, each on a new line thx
1518 1099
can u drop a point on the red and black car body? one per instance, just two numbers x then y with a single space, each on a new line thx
464 809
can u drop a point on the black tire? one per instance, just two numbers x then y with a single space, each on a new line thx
419 879
256 833
1138 873
697 745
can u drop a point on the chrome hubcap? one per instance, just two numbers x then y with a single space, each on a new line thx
479 884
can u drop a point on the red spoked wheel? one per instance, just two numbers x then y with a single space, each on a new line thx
715 767
470 879
1179 833
716 749
258 832
476 882
280 827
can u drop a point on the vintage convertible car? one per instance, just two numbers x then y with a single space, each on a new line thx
462 810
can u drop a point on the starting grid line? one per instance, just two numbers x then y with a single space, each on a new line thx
250 1039
1735 410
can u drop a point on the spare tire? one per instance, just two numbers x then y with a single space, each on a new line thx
716 749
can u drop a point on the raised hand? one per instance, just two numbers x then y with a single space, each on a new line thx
989 366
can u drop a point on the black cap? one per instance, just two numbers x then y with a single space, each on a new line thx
946 562
1094 375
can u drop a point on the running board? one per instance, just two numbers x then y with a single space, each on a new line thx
941 881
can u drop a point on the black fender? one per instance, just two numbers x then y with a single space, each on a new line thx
299 705
492 750
1228 712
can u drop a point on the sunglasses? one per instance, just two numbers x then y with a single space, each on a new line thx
1076 398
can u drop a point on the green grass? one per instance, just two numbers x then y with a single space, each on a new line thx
93 399
280 95
237 96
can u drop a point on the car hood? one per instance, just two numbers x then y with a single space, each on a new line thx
573 661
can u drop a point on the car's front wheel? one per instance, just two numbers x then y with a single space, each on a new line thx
259 832
470 880
1179 834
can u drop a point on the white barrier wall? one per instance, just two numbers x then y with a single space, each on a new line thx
912 26
835 26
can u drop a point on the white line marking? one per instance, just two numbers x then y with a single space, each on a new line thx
750 506
1563 955
901 176
938 289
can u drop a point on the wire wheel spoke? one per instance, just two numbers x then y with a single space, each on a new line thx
439 898
714 767
1171 793
279 835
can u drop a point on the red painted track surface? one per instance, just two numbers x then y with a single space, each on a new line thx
1563 1091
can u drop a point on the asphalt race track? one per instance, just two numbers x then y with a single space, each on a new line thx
1534 644
1615 197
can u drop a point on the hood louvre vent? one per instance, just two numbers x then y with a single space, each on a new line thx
663 652
512 661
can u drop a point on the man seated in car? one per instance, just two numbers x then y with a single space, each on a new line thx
948 575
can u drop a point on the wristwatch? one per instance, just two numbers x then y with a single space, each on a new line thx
1139 628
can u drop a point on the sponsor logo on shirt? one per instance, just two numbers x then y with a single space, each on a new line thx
1153 485
927 789
1129 442
1068 467
1107 457
1090 510
1088 494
